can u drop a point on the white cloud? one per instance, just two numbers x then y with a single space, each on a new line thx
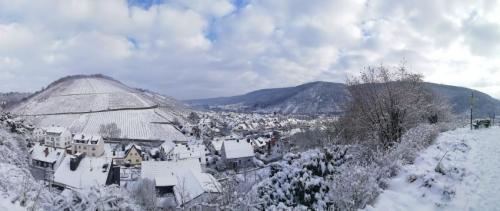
204 48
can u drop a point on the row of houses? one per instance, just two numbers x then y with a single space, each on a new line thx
77 161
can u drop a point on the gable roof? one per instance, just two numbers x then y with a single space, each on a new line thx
89 172
87 138
237 149
185 175
55 130
38 153
130 146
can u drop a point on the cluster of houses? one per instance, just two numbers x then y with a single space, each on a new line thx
78 161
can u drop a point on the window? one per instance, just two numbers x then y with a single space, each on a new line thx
93 148
137 160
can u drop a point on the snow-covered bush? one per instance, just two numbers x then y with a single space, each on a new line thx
342 177
95 198
302 180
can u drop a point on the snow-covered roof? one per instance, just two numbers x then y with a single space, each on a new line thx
260 141
53 155
217 144
167 146
238 149
87 138
129 147
89 172
185 175
189 151
55 130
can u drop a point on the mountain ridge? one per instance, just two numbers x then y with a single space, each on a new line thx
321 97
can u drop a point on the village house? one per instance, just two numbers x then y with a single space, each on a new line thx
91 145
58 137
216 146
237 154
165 149
133 154
182 179
190 151
46 157
79 172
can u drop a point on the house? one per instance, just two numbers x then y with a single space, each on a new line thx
237 154
133 154
46 157
91 145
80 172
182 151
260 142
216 146
165 149
57 137
181 179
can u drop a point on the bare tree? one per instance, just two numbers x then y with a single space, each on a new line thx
385 103
194 118
144 193
110 130
182 191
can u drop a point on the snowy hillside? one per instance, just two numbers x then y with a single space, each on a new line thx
311 98
465 179
327 97
11 98
84 103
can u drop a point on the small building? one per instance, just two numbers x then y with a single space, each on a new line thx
80 172
58 137
260 142
46 157
216 146
165 149
237 154
182 179
189 151
91 145
133 154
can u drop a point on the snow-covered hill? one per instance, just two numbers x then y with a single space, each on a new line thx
326 97
311 98
84 103
459 172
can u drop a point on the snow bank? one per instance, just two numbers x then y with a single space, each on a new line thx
459 172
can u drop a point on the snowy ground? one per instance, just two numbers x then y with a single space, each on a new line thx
5 204
469 179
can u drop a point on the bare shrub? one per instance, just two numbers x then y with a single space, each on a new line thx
110 130
385 103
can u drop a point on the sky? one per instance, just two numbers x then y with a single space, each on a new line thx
207 48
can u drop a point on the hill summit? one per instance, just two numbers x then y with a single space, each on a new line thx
83 103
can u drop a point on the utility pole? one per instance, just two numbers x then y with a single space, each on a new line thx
471 105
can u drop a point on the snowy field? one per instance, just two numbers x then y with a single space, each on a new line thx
468 177
138 124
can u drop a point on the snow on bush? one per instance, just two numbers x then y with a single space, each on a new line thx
340 177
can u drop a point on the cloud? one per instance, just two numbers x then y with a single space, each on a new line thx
206 48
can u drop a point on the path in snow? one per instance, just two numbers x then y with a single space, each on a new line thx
471 180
